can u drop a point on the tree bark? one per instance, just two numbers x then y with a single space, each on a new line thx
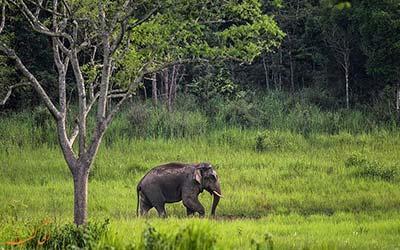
291 71
81 176
154 89
347 87
398 102
266 72
280 69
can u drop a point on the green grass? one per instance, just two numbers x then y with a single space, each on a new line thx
313 191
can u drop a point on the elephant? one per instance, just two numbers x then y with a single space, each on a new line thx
173 182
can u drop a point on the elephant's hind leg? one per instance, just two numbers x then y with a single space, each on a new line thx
189 212
144 209
145 205
161 210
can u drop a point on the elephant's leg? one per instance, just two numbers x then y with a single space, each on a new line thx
194 204
189 211
157 199
144 205
144 209
161 210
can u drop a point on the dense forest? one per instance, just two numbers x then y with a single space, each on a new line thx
332 55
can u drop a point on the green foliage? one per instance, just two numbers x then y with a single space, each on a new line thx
363 168
48 235
216 83
266 243
380 33
238 113
146 122
189 29
272 140
192 236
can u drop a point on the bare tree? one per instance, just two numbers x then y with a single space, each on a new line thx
339 41
171 77
69 37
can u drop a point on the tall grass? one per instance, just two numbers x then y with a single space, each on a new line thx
298 177
275 111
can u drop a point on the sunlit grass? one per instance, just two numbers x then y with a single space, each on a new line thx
316 191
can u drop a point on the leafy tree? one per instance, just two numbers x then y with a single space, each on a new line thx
109 46
380 41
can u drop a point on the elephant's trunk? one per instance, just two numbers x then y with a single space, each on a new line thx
217 195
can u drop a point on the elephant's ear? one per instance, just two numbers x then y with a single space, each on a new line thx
197 175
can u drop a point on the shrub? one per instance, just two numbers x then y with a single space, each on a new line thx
138 118
44 130
149 122
192 236
360 167
270 141
266 243
51 236
355 160
238 113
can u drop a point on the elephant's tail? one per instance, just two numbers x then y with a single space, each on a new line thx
137 204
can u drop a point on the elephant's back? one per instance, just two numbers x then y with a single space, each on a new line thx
165 171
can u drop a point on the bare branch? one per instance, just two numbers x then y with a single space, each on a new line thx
10 89
38 26
67 7
106 69
39 89
39 7
3 16
75 131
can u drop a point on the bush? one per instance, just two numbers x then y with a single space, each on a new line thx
271 140
362 168
139 118
177 124
44 128
191 237
239 113
51 236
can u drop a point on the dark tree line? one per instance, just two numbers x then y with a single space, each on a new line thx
346 50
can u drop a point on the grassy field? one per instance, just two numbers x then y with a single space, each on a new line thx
282 189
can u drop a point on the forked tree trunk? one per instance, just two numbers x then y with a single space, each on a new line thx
80 176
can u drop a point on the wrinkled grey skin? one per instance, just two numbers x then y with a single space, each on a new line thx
174 182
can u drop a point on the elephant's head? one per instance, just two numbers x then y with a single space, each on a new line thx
206 176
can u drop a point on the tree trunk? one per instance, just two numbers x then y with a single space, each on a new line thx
80 175
347 87
280 69
291 71
154 89
165 73
398 102
266 72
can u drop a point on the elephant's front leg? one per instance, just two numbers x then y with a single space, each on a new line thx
192 204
